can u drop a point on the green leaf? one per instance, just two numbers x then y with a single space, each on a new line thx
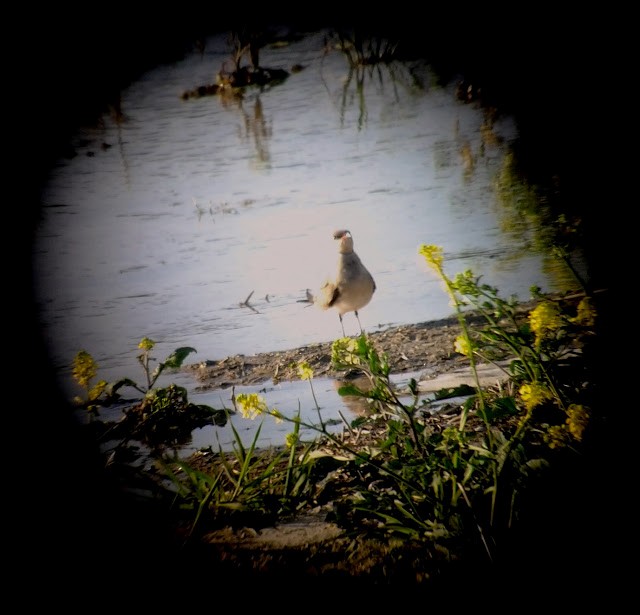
350 389
320 454
179 355
459 391
112 388
413 386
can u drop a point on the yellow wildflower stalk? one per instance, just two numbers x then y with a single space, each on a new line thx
435 259
306 373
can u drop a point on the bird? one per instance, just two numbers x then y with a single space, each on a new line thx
353 286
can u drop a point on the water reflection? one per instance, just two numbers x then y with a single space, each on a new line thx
255 127
361 77
357 406
525 214
118 118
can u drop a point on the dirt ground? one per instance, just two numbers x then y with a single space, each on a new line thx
426 348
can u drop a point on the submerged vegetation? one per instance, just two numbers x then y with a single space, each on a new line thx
453 481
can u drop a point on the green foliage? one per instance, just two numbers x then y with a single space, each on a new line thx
425 479
459 480
85 368
247 485
173 361
163 416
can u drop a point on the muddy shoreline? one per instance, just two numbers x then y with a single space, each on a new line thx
426 347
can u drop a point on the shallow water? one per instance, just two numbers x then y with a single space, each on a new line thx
175 211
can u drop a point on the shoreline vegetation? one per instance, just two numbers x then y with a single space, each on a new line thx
406 494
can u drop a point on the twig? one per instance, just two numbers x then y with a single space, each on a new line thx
246 303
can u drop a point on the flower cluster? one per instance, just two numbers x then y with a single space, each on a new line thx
577 420
586 314
84 368
304 371
344 351
545 319
251 405
556 436
463 346
574 427
146 344
533 394
433 256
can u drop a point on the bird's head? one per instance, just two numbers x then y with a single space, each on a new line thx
346 241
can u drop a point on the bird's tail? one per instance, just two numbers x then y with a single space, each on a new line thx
325 297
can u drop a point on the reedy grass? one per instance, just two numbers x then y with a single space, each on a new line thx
245 482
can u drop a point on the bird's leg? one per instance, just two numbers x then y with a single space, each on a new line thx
342 325
358 319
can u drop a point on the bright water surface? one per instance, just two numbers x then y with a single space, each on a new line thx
173 212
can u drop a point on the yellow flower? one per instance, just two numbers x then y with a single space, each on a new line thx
577 420
146 344
97 390
462 346
84 368
291 440
344 352
433 255
533 395
586 315
544 319
251 405
304 371
556 436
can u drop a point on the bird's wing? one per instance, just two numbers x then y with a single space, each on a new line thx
329 293
334 296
